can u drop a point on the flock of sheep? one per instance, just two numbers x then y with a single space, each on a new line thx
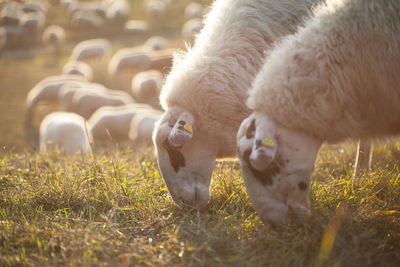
268 81
94 114
272 80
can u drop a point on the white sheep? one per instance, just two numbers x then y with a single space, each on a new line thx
46 90
54 37
190 29
156 43
33 21
134 59
67 91
336 78
117 10
86 102
112 123
66 131
204 95
146 86
92 48
79 68
88 19
136 26
193 10
142 126
161 60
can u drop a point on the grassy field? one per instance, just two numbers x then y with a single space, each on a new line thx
112 208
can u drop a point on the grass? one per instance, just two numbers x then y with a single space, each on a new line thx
113 209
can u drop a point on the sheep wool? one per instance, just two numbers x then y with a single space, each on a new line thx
337 77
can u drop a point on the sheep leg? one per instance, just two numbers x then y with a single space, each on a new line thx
363 159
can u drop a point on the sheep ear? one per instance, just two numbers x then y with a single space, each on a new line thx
265 144
182 130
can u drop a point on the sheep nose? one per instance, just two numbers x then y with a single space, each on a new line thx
196 198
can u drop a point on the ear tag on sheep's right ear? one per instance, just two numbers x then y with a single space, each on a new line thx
188 128
268 142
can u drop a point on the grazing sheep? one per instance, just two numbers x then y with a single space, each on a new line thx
46 90
87 19
34 6
156 43
193 10
133 59
161 60
112 123
54 36
33 21
93 48
67 91
155 10
146 87
204 95
64 130
85 103
79 68
136 26
190 29
117 10
336 78
142 126
11 13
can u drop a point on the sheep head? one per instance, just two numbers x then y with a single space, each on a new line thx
185 157
276 164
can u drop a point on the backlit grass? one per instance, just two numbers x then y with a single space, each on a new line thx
113 209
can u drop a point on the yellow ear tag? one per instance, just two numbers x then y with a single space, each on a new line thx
188 128
268 142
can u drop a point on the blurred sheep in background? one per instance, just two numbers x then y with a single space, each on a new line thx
91 49
193 10
67 91
66 131
146 87
85 103
79 68
142 126
54 38
156 43
46 90
112 123
190 28
135 27
129 59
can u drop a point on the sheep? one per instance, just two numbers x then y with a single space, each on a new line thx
204 95
92 48
117 10
85 103
67 91
156 43
142 126
88 19
161 60
79 68
193 10
64 130
136 26
111 123
46 90
146 86
11 13
54 36
33 21
155 9
190 28
336 78
134 59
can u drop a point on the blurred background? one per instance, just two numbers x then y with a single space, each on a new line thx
51 48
